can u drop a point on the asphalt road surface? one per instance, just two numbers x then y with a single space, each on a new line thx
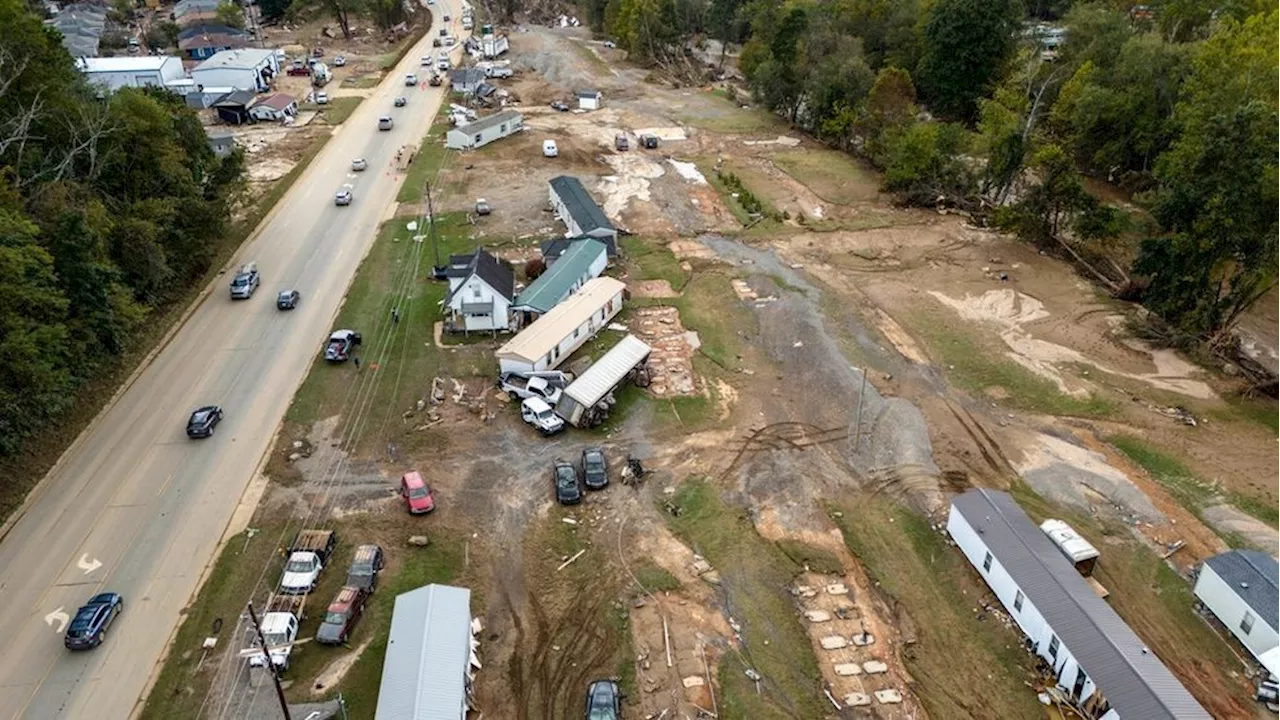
134 506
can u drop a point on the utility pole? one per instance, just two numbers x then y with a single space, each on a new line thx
857 426
437 269
275 676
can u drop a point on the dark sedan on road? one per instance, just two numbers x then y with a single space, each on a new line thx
89 627
595 471
565 476
604 700
288 299
203 421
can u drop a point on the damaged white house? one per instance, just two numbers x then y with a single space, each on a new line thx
1100 663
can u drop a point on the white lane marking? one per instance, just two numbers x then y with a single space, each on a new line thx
58 617
87 565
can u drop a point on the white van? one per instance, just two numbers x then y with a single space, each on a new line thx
549 148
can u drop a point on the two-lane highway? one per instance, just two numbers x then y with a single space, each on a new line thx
134 506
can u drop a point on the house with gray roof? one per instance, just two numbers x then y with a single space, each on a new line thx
578 210
484 130
1240 588
481 290
81 26
584 260
426 673
200 42
552 249
1099 662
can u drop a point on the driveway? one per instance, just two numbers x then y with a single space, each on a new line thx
137 508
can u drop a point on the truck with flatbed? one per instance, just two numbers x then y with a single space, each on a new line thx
307 555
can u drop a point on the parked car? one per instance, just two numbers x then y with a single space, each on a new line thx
435 80
418 498
595 469
539 414
565 477
443 63
341 617
449 41
341 344
308 554
549 149
322 98
280 629
359 165
427 60
604 700
245 282
287 299
401 101
610 44
435 42
203 420
365 566
649 142
89 626
482 207
343 197
560 106
339 61
621 143
385 122
446 19
410 80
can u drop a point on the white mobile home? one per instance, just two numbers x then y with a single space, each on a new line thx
484 131
480 291
1240 588
590 99
579 402
554 336
427 670
1099 662
579 211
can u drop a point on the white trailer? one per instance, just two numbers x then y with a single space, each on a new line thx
586 401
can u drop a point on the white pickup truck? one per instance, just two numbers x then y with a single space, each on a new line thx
544 385
307 555
280 630
539 414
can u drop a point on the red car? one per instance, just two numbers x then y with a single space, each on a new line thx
417 496
341 616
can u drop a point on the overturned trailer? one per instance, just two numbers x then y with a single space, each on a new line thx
585 402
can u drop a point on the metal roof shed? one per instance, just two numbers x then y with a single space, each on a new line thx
581 262
600 379
425 671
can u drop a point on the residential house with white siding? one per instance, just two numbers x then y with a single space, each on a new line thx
1239 587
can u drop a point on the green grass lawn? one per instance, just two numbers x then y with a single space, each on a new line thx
723 116
432 155
963 666
654 261
339 109
755 575
598 66
831 175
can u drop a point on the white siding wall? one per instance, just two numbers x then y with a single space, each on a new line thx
1029 619
229 77
562 212
474 290
570 343
1229 608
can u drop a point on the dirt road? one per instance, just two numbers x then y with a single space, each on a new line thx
135 507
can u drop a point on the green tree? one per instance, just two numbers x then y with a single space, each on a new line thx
230 14
273 9
965 46
923 164
836 82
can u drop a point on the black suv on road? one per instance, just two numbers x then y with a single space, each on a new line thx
203 421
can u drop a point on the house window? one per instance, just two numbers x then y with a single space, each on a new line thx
475 292
502 128
986 562
1053 647
575 332
1017 601
1246 623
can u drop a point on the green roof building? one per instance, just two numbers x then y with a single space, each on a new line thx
583 260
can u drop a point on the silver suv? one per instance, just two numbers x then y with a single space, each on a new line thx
245 282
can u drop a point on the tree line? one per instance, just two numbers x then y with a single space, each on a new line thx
110 208
967 103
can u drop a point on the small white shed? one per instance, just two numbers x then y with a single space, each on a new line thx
1240 588
590 99
556 335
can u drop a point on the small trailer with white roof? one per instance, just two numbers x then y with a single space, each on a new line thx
587 400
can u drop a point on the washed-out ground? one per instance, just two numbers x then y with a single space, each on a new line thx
829 379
